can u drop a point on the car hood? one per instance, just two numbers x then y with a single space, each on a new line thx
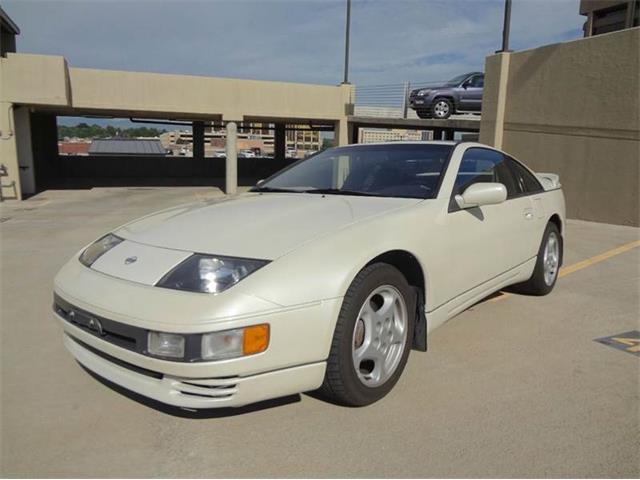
264 226
433 87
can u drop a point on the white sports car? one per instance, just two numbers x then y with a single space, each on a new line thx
324 276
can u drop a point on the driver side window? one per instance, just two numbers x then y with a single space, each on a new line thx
480 165
477 81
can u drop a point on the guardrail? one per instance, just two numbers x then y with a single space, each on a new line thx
387 100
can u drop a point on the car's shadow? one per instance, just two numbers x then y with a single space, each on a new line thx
195 414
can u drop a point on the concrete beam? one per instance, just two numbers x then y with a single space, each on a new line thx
231 165
35 80
458 124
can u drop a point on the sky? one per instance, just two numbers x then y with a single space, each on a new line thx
392 41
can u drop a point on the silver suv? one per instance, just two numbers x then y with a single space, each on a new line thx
462 94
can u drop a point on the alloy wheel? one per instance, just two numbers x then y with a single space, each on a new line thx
441 109
380 336
551 259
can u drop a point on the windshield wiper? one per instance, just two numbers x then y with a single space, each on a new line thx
337 191
274 189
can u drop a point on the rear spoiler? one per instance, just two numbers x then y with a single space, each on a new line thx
550 181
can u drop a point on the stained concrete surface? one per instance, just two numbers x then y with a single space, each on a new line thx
514 387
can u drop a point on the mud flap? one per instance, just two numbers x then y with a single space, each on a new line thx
420 328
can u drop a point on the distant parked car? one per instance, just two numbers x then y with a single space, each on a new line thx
291 153
462 94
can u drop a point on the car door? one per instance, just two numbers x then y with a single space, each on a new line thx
530 190
487 241
471 94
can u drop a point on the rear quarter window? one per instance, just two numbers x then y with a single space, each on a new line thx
527 182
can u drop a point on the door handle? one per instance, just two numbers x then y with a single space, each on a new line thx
528 213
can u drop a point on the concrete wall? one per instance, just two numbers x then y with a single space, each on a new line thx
573 108
105 167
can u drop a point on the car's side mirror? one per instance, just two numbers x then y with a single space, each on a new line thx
466 84
480 194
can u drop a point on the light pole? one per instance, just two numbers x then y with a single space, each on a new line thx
346 44
506 26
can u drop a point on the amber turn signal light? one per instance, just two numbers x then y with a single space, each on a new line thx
255 339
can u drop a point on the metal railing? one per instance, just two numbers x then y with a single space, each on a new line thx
387 100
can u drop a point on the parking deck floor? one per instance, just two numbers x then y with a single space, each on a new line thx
514 386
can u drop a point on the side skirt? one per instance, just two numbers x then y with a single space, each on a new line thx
458 304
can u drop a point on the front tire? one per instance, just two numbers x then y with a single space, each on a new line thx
548 261
442 108
423 113
372 339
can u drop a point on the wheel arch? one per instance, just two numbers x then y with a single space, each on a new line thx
557 221
449 96
408 264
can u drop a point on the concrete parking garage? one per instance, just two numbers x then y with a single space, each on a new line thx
514 387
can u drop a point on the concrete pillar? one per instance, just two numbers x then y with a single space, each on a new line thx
8 150
494 99
279 141
197 131
231 166
344 132
631 11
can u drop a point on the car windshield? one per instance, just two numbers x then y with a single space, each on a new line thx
458 79
402 170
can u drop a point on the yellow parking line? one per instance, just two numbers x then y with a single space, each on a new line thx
598 258
564 271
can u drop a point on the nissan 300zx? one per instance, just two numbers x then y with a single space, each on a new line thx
325 276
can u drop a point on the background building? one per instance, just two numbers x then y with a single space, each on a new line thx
73 147
377 135
604 16
300 141
8 32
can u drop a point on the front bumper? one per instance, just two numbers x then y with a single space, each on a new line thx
201 393
299 343
419 103
423 102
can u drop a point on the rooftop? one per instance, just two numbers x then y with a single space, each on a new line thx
126 146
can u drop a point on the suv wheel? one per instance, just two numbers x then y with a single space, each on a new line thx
442 108
423 113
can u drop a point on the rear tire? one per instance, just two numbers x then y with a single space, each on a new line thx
372 339
548 262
